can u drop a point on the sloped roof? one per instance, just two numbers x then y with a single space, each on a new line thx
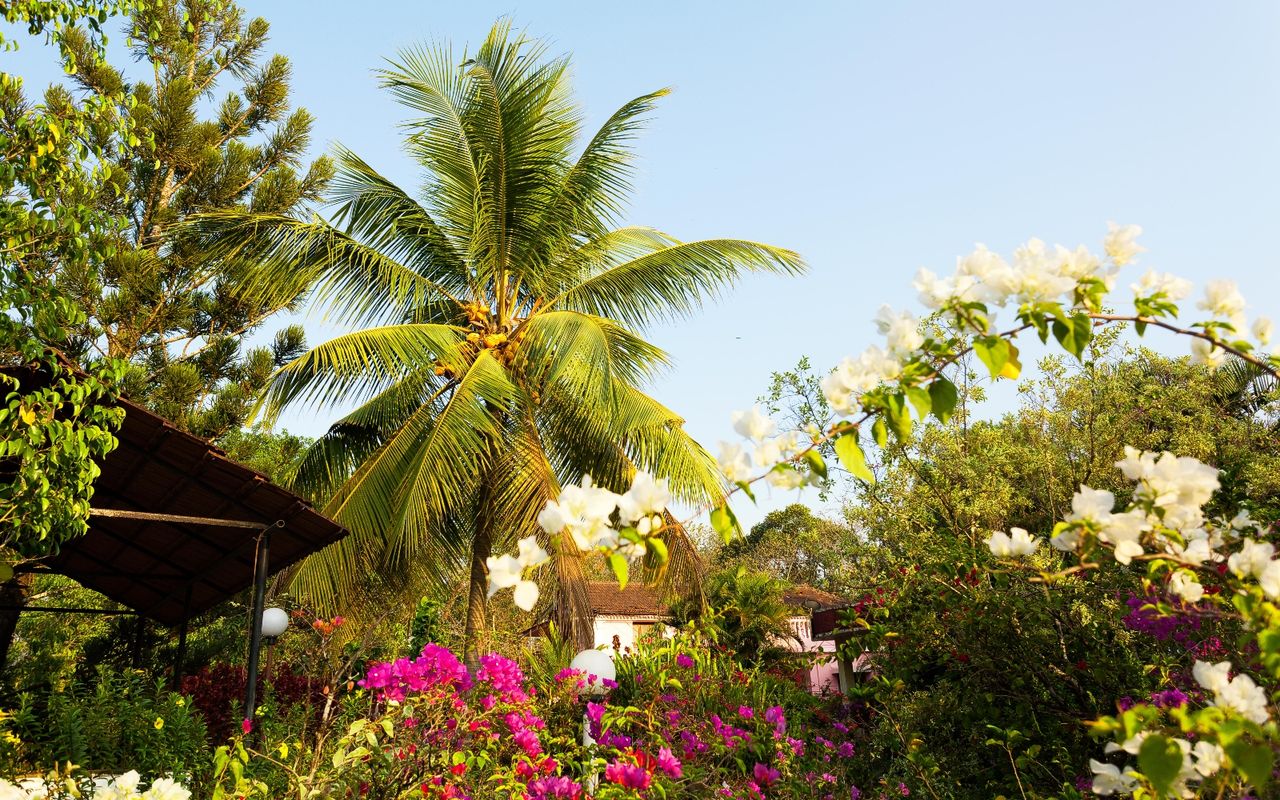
170 570
606 599
809 598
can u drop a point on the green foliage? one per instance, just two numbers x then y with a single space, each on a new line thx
122 721
793 545
54 422
745 612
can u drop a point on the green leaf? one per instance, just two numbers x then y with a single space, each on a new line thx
1160 759
943 397
746 489
658 549
899 417
851 456
1251 760
724 522
994 352
814 459
1073 333
618 563
921 400
880 431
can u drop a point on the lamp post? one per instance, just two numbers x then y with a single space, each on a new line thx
266 629
596 666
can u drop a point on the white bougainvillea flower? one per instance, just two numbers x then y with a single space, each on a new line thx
1269 580
531 553
583 511
935 292
1014 544
1124 532
1208 758
1212 676
1207 353
505 571
646 497
1121 243
1244 697
855 376
1179 486
1196 551
994 279
1242 521
1154 283
901 331
1092 505
1108 779
1080 264
1067 541
1223 300
1184 584
753 424
787 479
1131 745
1262 330
1252 559
1037 276
526 595
734 461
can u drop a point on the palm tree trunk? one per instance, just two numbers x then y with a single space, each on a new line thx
477 626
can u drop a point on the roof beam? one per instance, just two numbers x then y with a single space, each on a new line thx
153 517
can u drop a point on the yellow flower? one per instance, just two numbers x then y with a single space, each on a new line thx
159 723
180 702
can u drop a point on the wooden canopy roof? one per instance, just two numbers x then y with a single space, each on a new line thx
175 523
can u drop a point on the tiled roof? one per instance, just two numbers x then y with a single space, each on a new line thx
605 598
809 598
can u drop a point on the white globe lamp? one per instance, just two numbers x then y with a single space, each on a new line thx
596 667
274 622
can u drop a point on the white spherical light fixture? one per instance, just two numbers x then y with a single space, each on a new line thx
274 622
597 666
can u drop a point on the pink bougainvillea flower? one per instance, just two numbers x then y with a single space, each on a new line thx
628 776
246 725
683 661
668 763
764 774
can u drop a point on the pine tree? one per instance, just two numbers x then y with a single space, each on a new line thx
157 301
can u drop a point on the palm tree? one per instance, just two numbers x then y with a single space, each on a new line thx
502 355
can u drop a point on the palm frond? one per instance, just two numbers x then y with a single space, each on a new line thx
381 215
675 281
274 257
361 364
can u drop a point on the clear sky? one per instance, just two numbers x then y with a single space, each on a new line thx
874 138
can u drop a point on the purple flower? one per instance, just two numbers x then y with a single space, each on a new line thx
903 790
1169 698
846 750
765 775
775 716
683 661
504 676
854 793
746 712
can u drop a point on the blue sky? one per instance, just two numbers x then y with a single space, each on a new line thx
874 138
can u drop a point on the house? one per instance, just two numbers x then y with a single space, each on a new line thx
621 616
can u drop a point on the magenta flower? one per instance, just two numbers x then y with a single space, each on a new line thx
746 712
246 725
628 776
669 764
554 788
683 661
765 775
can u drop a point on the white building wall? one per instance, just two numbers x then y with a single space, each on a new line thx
608 627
